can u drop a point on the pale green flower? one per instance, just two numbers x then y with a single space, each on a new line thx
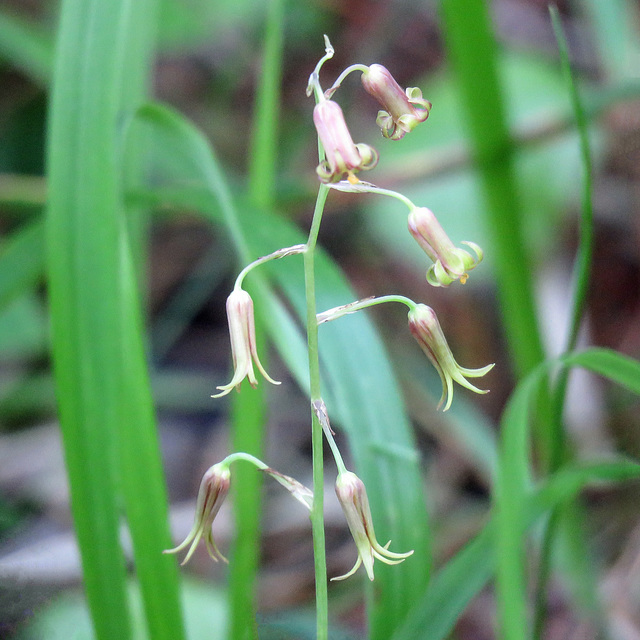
425 328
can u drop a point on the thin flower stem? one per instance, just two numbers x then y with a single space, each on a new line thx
337 456
276 255
366 187
352 307
336 85
314 79
320 410
317 510
247 457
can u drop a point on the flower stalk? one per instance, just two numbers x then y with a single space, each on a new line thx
339 158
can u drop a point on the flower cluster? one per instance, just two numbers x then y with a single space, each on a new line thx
401 112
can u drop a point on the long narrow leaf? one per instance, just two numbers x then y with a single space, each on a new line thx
513 479
454 585
103 393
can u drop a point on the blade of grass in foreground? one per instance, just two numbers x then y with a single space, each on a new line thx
104 401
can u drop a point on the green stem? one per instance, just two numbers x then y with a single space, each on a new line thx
560 451
367 187
359 305
276 255
247 457
317 510
336 85
473 53
320 411
249 408
248 416
264 142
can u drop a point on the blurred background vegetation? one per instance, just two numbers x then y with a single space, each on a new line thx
207 67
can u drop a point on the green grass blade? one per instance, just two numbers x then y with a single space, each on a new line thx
585 247
614 366
454 585
513 479
143 489
472 53
568 519
86 390
104 401
361 392
451 590
264 144
248 409
26 47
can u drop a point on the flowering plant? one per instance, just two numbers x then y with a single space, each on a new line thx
341 160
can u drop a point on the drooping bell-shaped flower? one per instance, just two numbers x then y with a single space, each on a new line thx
403 110
449 263
425 328
242 333
342 155
352 496
213 490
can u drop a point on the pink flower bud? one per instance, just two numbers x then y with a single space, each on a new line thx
404 110
341 153
425 328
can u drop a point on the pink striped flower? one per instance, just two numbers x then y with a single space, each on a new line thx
449 263
342 155
352 496
242 332
403 110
